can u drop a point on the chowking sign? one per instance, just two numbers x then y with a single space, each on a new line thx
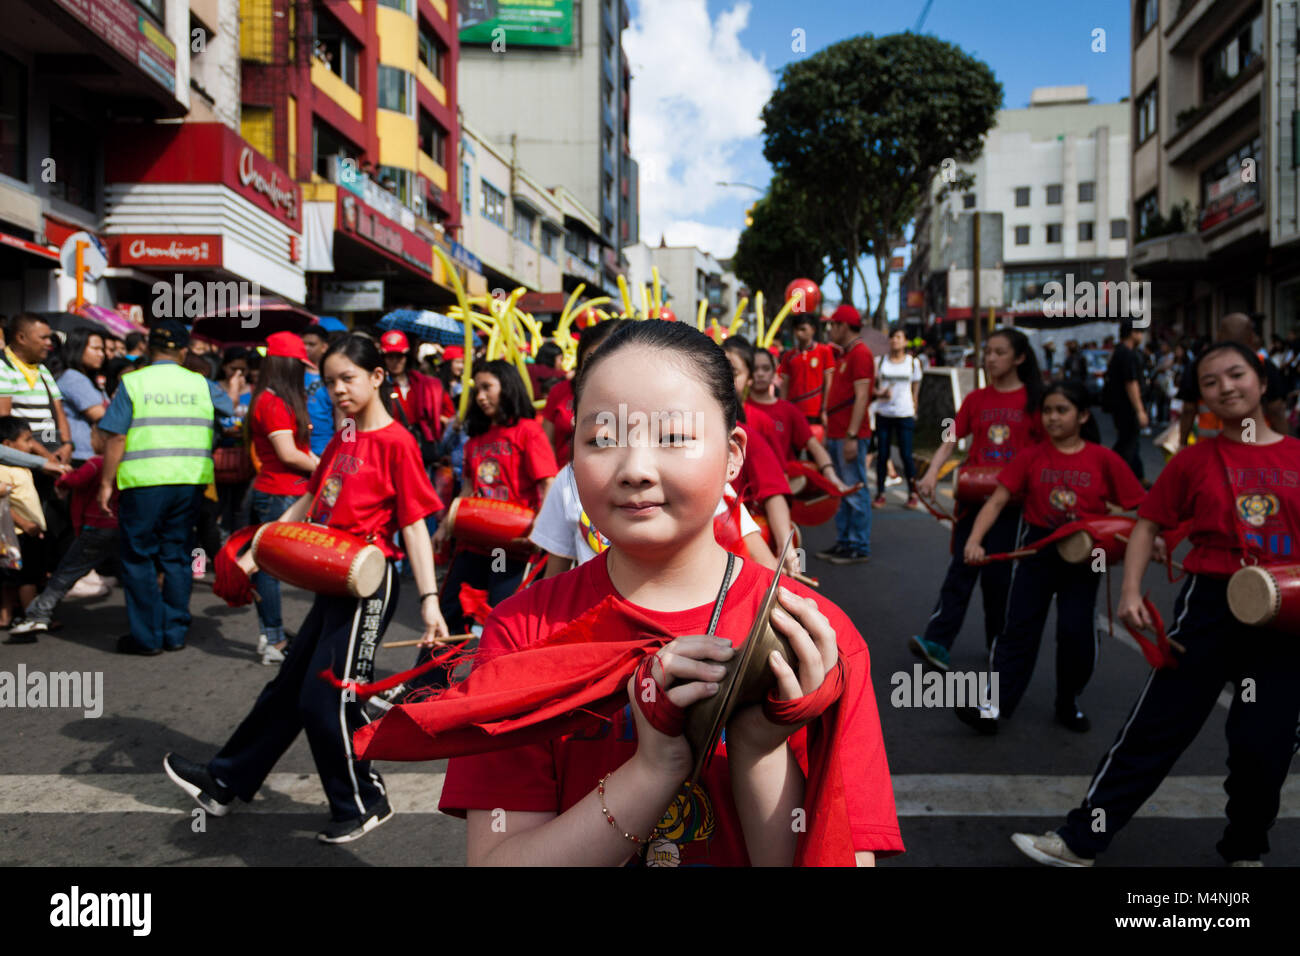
166 250
264 178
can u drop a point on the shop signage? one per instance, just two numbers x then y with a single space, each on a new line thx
358 218
166 250
363 296
133 35
259 174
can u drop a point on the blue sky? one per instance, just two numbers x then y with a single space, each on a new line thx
703 68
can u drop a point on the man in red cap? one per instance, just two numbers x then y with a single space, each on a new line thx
847 429
420 398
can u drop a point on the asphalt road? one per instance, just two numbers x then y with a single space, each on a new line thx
90 791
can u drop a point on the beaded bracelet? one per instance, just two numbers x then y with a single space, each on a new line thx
600 791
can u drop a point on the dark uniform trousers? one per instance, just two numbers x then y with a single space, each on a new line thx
1262 668
1034 581
959 583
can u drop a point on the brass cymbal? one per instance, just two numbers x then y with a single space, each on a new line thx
748 680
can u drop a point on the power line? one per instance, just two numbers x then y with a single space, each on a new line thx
920 21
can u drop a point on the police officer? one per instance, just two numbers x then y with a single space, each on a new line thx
160 456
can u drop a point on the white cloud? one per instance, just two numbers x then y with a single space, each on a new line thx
695 101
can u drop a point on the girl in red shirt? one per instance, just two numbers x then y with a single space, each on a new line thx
1002 421
1240 491
615 795
370 482
507 458
280 431
1068 477
557 416
791 425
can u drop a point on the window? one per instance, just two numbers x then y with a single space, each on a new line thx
396 91
1147 208
155 7
1087 192
13 118
1145 112
968 201
493 203
433 138
1054 195
334 46
1027 286
1022 195
1022 235
1119 228
73 152
1087 231
1224 190
550 243
1053 232
1150 15
433 53
327 143
466 188
399 182
524 223
1239 48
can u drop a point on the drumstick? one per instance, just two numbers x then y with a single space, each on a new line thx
437 640
1168 560
804 579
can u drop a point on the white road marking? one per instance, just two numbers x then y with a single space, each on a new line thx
916 795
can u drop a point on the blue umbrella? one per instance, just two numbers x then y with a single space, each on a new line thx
330 324
426 325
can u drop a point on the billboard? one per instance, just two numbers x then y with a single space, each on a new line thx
507 23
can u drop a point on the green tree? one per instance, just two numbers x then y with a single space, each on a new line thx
862 127
779 245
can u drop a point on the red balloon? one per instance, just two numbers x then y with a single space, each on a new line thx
807 294
668 315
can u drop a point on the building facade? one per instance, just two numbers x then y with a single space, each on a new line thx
1052 188
556 97
688 276
1216 203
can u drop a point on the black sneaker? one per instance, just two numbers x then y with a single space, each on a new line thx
832 552
1072 718
126 644
354 828
850 556
199 784
974 717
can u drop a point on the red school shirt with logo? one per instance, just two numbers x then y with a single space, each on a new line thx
805 374
372 486
507 463
702 827
998 425
1059 488
792 429
1262 509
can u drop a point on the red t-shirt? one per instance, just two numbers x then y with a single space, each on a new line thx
372 486
559 412
1058 488
270 415
805 374
762 474
553 777
1263 507
758 421
506 463
998 424
791 426
854 365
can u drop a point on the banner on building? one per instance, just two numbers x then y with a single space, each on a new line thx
506 23
366 295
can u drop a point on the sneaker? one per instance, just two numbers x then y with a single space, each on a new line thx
199 784
109 581
832 552
913 501
345 831
936 655
29 625
126 644
261 643
21 638
849 556
1049 849
272 655
89 586
893 480
878 501
1072 718
982 720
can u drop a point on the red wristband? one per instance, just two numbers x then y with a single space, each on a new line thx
662 714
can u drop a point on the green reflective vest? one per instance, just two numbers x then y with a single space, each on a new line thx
170 438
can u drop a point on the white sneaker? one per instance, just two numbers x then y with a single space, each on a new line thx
109 581
89 586
1048 849
272 655
261 643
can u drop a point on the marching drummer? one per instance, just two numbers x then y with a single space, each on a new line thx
1002 421
1240 491
370 482
1069 477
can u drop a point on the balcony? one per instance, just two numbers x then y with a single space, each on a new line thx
1205 129
1179 255
1197 22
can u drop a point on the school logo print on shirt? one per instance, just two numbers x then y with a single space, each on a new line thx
999 433
488 474
689 818
595 540
329 494
1256 509
1062 498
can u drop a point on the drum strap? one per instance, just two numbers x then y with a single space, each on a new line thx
1247 557
722 594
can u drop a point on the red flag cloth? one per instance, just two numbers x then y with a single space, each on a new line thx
576 679
1158 652
474 603
726 528
231 584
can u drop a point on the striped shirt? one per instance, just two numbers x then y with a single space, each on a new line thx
34 403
